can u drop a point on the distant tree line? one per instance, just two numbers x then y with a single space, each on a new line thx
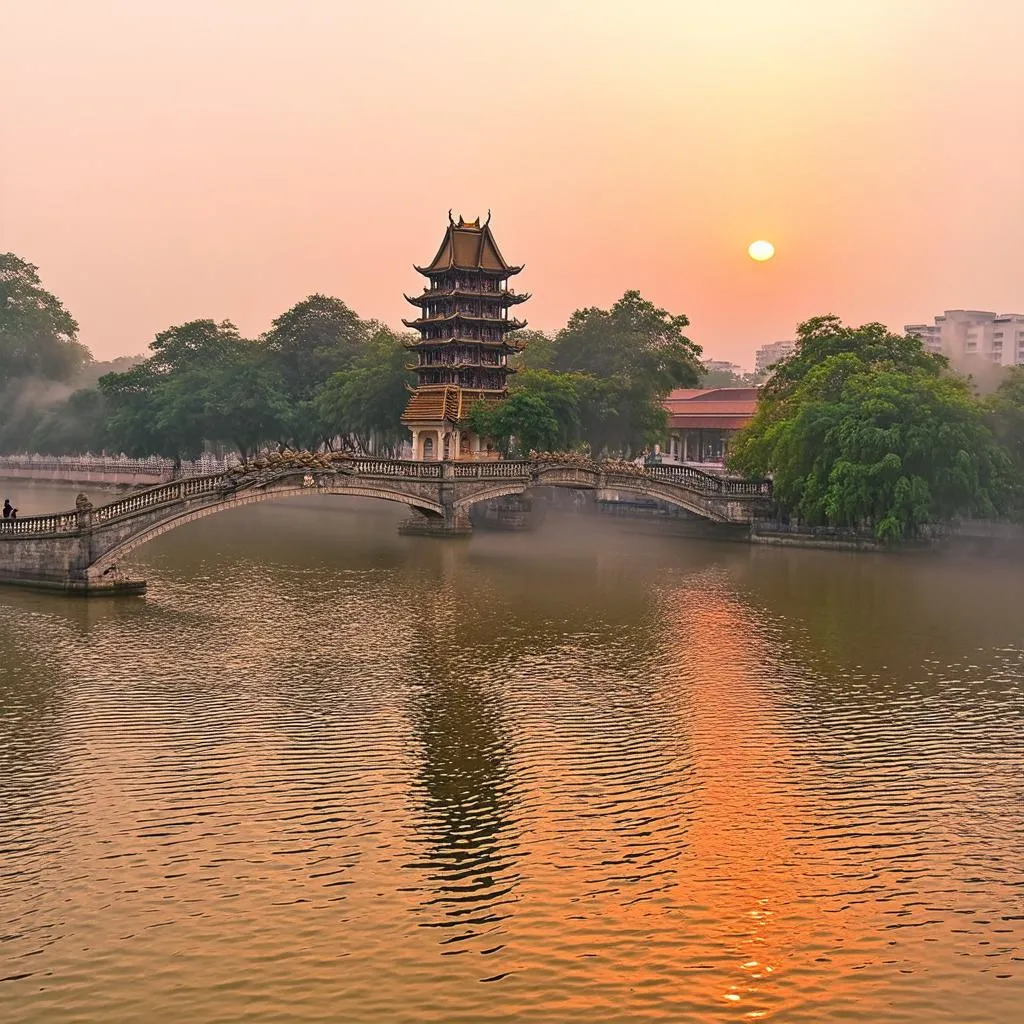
859 427
321 376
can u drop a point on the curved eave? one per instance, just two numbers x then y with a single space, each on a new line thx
460 366
469 318
423 343
506 298
432 271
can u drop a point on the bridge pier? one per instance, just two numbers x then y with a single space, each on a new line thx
512 512
454 523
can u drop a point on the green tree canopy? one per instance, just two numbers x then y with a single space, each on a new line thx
634 340
538 350
541 413
72 427
38 336
242 400
636 353
202 382
316 338
863 428
1005 415
364 403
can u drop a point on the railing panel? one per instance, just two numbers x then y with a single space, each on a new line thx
63 522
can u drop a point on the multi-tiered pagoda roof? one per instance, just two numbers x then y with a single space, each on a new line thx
464 327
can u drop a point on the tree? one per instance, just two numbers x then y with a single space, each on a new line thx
366 401
822 337
73 426
242 400
38 336
863 428
634 339
132 400
524 421
1005 415
638 353
720 379
538 350
541 413
180 397
316 337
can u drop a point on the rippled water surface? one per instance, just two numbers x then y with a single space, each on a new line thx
325 773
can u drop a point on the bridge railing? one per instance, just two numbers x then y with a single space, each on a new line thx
62 522
709 483
132 503
504 470
395 467
760 488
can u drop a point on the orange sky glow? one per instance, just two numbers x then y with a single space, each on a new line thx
166 161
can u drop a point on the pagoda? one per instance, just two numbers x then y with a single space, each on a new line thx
463 348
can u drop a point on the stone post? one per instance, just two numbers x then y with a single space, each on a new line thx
83 510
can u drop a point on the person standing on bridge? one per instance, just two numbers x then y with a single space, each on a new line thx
10 512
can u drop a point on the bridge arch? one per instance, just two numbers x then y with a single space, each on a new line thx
679 497
178 516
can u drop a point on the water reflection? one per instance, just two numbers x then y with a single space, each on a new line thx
464 826
582 774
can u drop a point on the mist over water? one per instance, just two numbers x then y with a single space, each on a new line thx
591 773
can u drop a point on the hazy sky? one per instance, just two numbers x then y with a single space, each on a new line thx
162 161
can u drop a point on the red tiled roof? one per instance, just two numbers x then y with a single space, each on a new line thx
748 395
709 408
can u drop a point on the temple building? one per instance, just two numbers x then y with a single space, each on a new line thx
463 348
703 421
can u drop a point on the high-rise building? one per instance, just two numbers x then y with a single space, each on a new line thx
462 351
962 333
768 355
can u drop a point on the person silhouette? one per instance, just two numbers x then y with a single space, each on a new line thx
10 512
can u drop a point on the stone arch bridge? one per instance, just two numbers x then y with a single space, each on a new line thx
80 551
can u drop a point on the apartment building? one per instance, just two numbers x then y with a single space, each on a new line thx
961 333
768 355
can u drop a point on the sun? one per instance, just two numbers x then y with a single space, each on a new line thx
760 250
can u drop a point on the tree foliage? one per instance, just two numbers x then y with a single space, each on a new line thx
38 336
541 413
864 428
202 382
636 353
362 405
1005 414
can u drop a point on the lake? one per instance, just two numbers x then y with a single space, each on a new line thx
595 772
